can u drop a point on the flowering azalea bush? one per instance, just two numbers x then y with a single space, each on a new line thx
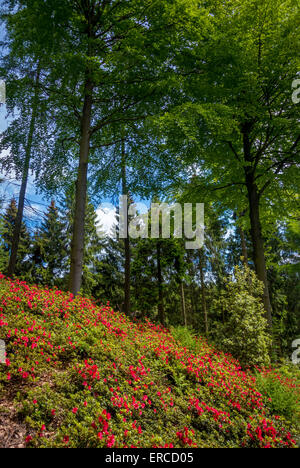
81 375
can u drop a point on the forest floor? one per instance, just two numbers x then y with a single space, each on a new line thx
79 375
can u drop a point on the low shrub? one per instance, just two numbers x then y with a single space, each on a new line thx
79 375
281 387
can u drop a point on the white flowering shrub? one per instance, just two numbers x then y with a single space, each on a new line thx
244 333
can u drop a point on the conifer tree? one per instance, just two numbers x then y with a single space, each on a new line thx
50 248
8 228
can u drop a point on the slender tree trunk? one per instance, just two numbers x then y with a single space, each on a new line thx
18 223
256 229
192 298
126 240
203 291
161 312
192 290
183 307
77 248
258 246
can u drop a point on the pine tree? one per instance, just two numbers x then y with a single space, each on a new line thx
50 249
8 227
110 274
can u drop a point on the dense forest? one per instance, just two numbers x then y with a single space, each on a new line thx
177 102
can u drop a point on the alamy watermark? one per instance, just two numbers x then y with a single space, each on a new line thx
160 221
2 352
296 93
296 354
2 92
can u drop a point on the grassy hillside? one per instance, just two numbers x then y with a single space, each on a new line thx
78 375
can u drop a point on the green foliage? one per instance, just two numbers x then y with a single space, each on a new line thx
282 397
49 249
183 85
185 336
244 332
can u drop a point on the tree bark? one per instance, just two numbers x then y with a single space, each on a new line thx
256 229
191 291
77 247
19 218
258 246
182 295
161 312
192 287
126 240
203 292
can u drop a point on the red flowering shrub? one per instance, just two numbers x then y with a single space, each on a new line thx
86 376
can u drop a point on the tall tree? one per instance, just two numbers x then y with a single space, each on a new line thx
25 175
203 291
161 308
29 143
126 193
98 75
112 34
239 124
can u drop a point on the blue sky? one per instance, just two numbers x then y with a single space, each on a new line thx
36 204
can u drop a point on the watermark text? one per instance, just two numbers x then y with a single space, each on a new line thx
296 354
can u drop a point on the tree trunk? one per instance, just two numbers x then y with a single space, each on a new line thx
18 223
161 312
192 292
126 240
203 291
192 298
77 248
258 244
256 229
182 295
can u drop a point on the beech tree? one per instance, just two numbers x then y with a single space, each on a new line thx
111 57
238 128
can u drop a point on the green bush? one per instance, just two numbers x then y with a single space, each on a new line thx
244 333
185 337
282 400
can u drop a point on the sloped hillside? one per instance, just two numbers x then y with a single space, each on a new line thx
78 375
